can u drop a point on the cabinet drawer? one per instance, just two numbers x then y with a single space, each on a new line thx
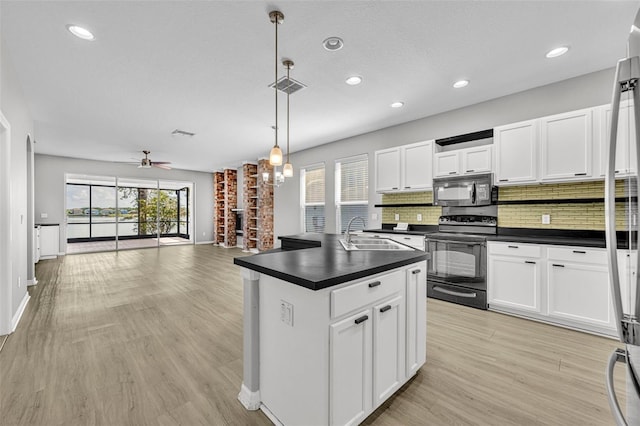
354 296
515 249
578 254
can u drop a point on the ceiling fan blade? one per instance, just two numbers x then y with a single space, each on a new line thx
161 162
161 166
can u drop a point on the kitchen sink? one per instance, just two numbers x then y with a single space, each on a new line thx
381 244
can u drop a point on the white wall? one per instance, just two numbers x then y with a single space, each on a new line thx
15 110
580 92
50 189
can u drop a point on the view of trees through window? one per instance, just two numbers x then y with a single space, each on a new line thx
93 213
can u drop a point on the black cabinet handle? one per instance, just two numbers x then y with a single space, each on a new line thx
617 171
469 171
385 308
503 180
395 187
580 252
531 262
407 238
407 187
579 174
558 265
374 284
415 271
513 246
361 319
453 173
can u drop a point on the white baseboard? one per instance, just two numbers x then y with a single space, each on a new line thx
204 242
270 415
16 318
34 281
250 400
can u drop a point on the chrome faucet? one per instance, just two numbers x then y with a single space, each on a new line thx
347 234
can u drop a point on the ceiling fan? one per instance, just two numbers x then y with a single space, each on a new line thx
146 162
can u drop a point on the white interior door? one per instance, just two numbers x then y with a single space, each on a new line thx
5 226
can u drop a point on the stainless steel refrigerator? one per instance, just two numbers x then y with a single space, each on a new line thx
622 192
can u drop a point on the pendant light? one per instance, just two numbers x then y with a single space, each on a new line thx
275 156
287 171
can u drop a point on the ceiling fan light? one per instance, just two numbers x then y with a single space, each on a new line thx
287 170
81 32
275 156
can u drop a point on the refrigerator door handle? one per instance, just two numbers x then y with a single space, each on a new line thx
617 355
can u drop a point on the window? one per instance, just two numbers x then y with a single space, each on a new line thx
312 198
352 192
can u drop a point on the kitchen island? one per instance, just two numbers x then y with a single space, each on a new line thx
330 334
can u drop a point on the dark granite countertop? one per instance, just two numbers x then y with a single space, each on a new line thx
318 261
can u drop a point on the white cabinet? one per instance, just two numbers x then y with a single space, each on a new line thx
465 161
626 152
416 295
516 153
565 285
49 241
578 282
515 273
405 168
350 369
566 142
342 351
36 244
387 170
417 166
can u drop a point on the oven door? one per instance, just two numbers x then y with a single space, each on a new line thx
459 263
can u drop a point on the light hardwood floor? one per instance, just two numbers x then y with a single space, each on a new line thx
155 337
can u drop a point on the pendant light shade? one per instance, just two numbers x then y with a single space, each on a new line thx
287 171
275 156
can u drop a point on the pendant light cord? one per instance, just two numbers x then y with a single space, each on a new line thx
275 68
288 92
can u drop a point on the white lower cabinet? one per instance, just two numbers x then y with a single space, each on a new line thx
339 353
565 285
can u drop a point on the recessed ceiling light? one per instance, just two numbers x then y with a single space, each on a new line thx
397 104
461 83
333 43
353 80
80 32
558 51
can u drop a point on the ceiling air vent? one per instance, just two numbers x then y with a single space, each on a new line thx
288 85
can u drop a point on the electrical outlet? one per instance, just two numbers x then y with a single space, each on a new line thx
286 313
396 216
374 216
546 219
43 215
419 217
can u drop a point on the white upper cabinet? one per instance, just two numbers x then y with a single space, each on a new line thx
388 170
516 153
626 157
566 145
417 166
463 161
405 168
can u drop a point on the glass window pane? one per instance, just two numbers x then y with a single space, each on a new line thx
184 203
103 211
354 180
77 230
349 211
78 204
314 219
148 207
314 185
127 211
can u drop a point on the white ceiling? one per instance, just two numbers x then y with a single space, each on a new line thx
204 67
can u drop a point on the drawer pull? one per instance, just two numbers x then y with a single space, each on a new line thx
395 187
416 271
361 319
374 284
453 173
503 180
580 252
385 308
513 246
407 238
407 187
531 262
558 265
454 293
579 174
469 171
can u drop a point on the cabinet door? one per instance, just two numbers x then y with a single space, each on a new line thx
388 348
515 283
49 241
580 293
417 162
626 159
566 145
447 163
388 170
516 152
350 389
416 319
477 160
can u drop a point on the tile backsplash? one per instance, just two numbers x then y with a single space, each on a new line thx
564 214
